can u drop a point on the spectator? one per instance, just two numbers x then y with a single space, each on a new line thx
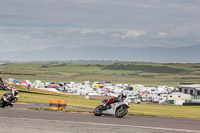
28 87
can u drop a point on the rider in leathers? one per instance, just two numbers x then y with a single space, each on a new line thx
120 98
12 97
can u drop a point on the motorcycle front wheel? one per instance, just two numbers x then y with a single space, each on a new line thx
98 111
121 112
2 104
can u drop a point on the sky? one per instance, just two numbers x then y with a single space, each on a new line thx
39 24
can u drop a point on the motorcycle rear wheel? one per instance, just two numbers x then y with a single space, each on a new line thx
98 111
121 112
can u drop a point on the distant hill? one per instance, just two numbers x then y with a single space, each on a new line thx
151 54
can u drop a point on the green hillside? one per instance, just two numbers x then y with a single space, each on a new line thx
130 72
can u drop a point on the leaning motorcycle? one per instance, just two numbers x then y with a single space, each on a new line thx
8 100
119 109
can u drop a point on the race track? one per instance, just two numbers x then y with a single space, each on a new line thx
20 119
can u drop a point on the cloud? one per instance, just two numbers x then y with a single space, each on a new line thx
184 30
25 37
133 34
162 34
76 23
86 31
116 35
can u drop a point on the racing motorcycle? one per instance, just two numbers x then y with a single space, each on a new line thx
119 109
9 99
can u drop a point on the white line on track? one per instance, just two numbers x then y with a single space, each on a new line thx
104 124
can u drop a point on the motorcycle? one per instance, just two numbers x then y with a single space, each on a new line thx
8 100
119 109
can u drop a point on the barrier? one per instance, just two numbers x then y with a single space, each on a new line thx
55 104
62 105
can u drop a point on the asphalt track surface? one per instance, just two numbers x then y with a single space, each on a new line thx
20 119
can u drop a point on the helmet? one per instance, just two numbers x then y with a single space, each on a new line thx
16 92
122 96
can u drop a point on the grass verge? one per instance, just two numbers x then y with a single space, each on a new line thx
43 97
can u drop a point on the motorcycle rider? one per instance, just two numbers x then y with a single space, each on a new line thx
11 88
12 97
120 98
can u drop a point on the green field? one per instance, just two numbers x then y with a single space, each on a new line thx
130 72
135 109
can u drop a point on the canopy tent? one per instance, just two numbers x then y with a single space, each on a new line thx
105 92
105 95
23 82
141 93
12 83
15 81
53 86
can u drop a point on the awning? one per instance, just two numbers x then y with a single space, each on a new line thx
198 89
